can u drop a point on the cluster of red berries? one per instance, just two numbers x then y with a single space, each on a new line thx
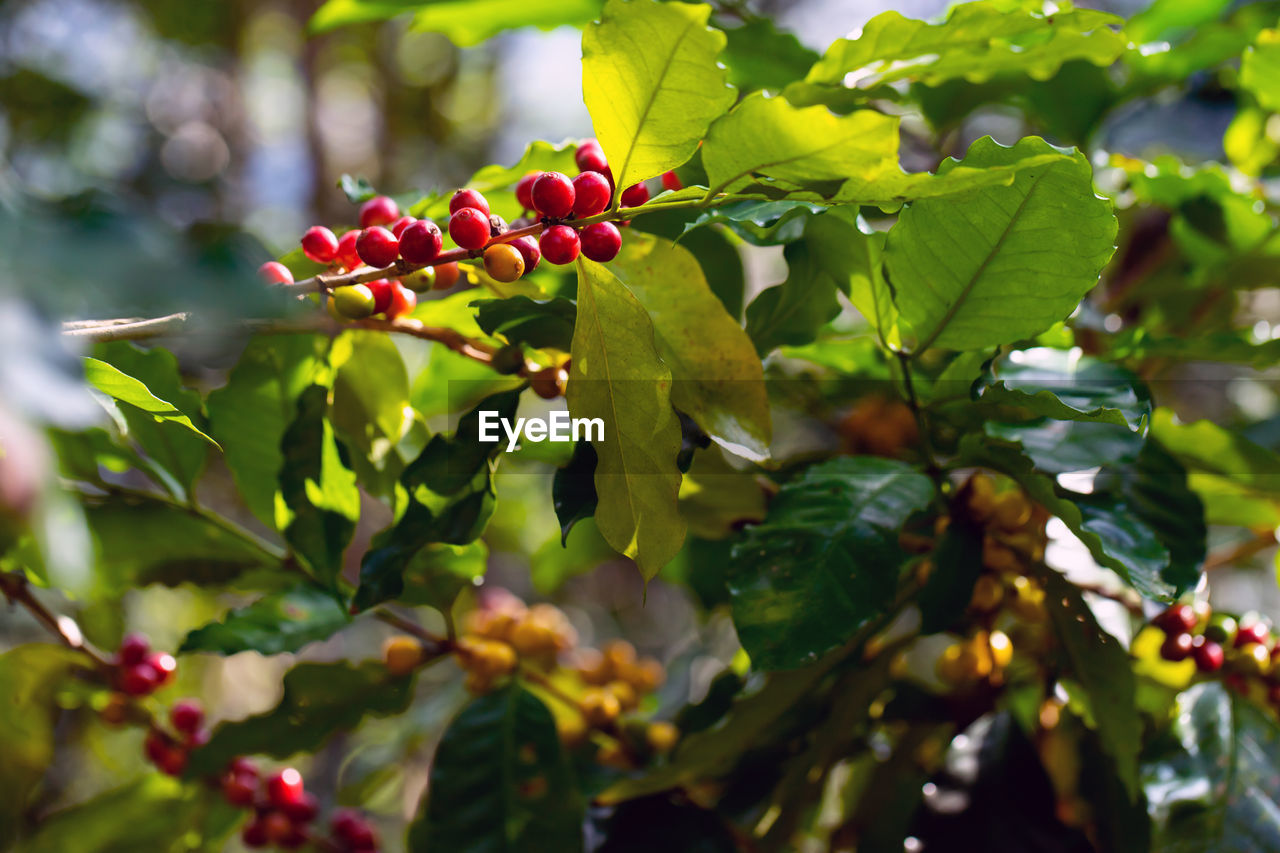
283 808
1243 649
139 671
169 752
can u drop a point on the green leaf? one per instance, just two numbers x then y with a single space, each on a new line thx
450 499
760 56
617 375
1260 69
762 223
957 563
1100 665
1211 784
1066 386
319 701
521 320
277 623
651 83
30 677
977 41
356 189
370 408
318 504
824 563
573 490
250 414
718 256
717 378
438 572
126 389
500 782
149 814
465 22
769 137
1206 446
1003 263
142 541
834 255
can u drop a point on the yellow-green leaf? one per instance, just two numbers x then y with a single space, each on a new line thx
123 387
651 83
1260 69
617 376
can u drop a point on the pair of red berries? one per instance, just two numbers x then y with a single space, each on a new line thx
169 753
139 671
282 813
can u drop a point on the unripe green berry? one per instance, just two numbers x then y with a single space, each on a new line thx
421 280
354 302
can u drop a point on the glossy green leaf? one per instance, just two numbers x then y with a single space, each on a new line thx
768 137
111 381
1206 446
1100 665
976 42
370 410
357 189
142 541
764 223
30 677
824 563
1260 69
956 564
279 622
618 376
318 504
1066 386
1211 784
438 572
717 378
652 84
250 414
522 320
465 22
999 264
717 499
760 56
834 255
500 782
319 701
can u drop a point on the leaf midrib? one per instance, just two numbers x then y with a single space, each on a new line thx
648 107
977 274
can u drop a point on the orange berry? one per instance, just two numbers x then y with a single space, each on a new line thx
402 654
599 707
662 736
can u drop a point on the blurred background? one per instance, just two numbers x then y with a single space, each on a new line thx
153 152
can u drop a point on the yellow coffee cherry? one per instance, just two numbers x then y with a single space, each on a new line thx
599 707
402 654
571 729
503 262
353 302
987 593
1011 510
624 693
950 665
981 497
1027 601
646 675
999 557
593 668
1252 659
1001 649
620 654
976 656
662 736
489 658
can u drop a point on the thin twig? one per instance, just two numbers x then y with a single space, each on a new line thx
17 589
1234 553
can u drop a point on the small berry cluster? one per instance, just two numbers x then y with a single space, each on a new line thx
1243 649
982 655
283 809
503 634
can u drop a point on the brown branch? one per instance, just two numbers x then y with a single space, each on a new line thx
1234 553
17 589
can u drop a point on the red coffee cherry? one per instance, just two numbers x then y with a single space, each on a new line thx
274 272
1252 632
353 830
187 716
168 757
1176 619
524 190
1208 655
469 228
635 195
284 787
279 828
347 256
140 679
403 301
240 782
134 648
254 834
553 195
378 210
319 244
601 241
671 181
377 246
1176 647
559 244
421 242
382 292
165 665
590 156
529 251
447 276
591 194
468 198
304 810
397 227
